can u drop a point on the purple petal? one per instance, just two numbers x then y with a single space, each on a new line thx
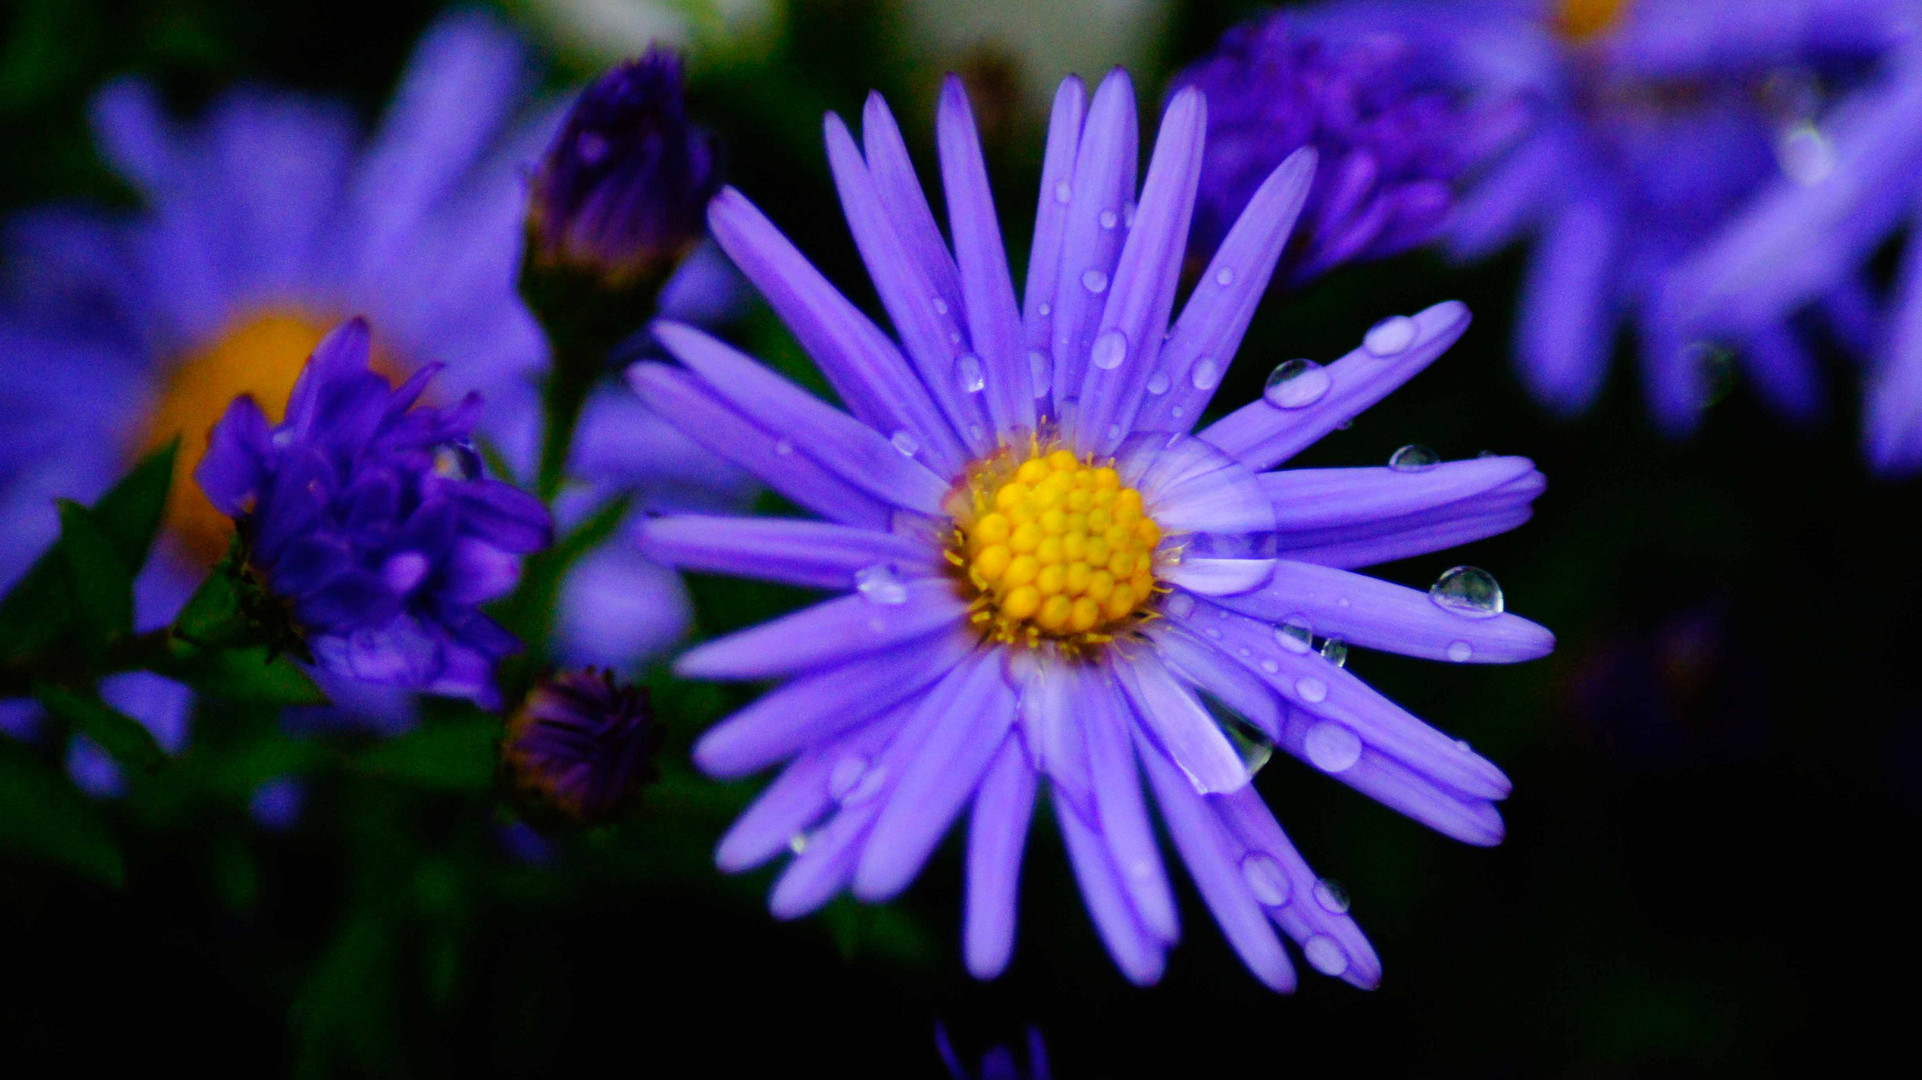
828 634
1051 222
803 791
1185 730
1371 543
811 553
1103 185
1207 667
1565 328
1106 721
1219 577
1332 498
904 201
1136 953
997 832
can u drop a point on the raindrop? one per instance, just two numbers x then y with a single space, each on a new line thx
846 773
1460 651
1335 651
1206 374
1214 633
1094 280
880 584
1390 336
1128 215
940 306
1331 747
454 461
1270 666
1038 371
867 787
904 442
1413 458
1312 690
1805 154
1295 636
1109 219
1158 383
968 372
1181 605
1062 192
1114 431
1265 879
1296 383
977 432
954 337
1224 277
1331 896
1467 590
1175 412
1462 745
798 842
1109 350
1045 309
783 447
1325 955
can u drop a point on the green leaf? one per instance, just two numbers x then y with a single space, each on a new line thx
453 755
250 675
116 732
102 584
346 1009
39 609
213 614
131 513
41 813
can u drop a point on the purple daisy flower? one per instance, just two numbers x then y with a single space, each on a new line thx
1047 575
1392 139
1654 125
367 515
582 743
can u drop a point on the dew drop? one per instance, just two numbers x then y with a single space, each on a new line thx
1265 879
1206 374
1467 590
1109 350
454 461
1413 458
954 337
977 432
1114 431
1224 277
1296 383
867 787
1109 219
799 842
1094 280
1331 747
1128 215
1390 336
1181 605
1462 745
1270 666
940 306
1460 651
969 374
880 584
783 447
1062 192
1295 636
1214 633
904 442
1038 371
1325 955
1045 309
1311 690
1175 412
1158 383
1331 896
845 774
1335 651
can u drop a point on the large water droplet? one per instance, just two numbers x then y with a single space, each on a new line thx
1468 590
845 774
1296 383
1460 651
867 787
1390 336
1094 280
1325 955
1158 383
1265 879
1062 192
1335 651
1109 219
1312 690
1038 375
904 442
1109 350
1413 458
969 374
1180 605
1331 896
1295 635
1224 277
1206 374
880 584
1331 747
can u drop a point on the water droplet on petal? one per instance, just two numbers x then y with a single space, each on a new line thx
1128 215
977 432
867 787
1312 690
1460 651
1224 277
1390 336
1206 374
845 774
783 447
1413 458
1331 896
1265 879
454 460
904 442
880 584
1158 383
1109 219
1062 192
1331 747
798 842
1324 955
1045 309
1270 666
1181 605
1295 635
1094 281
1296 383
940 306
1114 431
1109 350
1038 371
1175 412
1467 590
1335 651
969 374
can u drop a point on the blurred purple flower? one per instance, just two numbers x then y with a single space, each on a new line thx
1047 574
1392 141
368 516
1654 126
622 189
582 743
277 804
998 1063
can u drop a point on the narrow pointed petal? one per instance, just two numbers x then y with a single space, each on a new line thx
1219 577
1051 223
828 634
997 833
1396 786
1892 420
1495 211
816 554
1185 730
801 794
825 864
1218 675
1135 951
1107 723
1565 328
1401 538
1053 732
1326 498
1303 916
1783 374
904 201
1103 185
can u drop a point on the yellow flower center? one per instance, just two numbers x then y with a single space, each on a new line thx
1584 20
259 354
1054 549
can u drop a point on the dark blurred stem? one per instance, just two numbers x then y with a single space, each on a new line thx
150 651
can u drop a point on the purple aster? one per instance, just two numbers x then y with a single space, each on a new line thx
582 743
998 1063
1392 140
1047 575
1654 125
368 517
622 189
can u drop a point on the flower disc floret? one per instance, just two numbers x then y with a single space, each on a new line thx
1055 548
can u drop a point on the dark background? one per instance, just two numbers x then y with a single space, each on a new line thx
1717 775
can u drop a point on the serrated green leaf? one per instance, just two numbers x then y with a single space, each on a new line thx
453 755
250 675
131 513
102 584
117 733
41 813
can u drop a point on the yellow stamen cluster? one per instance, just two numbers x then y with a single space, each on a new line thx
1582 20
1057 548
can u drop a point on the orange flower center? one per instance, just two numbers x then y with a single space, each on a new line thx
1585 20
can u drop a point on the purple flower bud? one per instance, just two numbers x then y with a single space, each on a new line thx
582 743
624 188
1390 145
369 521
